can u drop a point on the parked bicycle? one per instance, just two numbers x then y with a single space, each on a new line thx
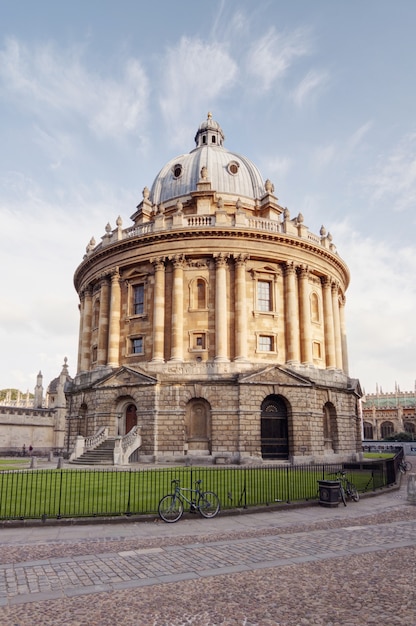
404 466
171 506
346 488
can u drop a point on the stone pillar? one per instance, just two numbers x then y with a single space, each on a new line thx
344 348
114 326
292 315
240 308
86 330
305 317
337 326
159 312
103 323
328 323
81 318
221 335
177 309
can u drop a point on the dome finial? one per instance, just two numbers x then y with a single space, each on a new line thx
209 115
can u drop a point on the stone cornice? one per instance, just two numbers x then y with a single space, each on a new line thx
212 233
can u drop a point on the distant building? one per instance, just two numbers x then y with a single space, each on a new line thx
388 413
34 419
213 326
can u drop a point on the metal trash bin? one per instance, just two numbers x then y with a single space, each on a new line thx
328 493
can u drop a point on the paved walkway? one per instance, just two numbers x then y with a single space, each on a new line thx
44 568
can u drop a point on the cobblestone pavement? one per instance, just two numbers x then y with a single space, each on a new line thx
303 567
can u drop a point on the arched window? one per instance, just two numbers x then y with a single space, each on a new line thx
410 427
198 290
315 308
368 430
386 429
201 293
96 314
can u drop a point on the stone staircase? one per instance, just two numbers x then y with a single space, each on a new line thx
101 455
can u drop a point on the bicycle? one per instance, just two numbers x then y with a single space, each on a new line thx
404 466
346 488
171 506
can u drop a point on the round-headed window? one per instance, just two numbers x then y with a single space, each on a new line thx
233 167
177 170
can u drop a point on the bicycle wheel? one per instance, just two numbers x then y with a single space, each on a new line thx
407 466
208 504
342 494
170 508
353 492
402 468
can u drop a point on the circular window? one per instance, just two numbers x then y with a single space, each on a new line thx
233 167
177 170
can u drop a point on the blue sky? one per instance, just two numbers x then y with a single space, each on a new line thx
96 96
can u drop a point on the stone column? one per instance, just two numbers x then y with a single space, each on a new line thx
159 312
81 320
328 323
305 317
344 348
177 309
291 314
103 323
114 327
86 330
240 308
221 335
337 326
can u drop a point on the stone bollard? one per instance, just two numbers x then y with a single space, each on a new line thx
50 459
33 462
60 462
411 488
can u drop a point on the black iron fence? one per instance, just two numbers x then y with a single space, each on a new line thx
65 493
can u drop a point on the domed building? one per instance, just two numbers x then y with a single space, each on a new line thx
213 327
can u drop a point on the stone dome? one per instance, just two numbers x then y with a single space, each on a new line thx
228 172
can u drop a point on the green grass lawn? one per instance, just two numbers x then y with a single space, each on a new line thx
378 455
19 463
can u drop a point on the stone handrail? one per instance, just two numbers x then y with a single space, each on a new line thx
125 446
95 440
88 443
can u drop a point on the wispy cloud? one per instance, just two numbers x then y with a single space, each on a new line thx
392 181
44 80
195 74
357 137
309 86
270 57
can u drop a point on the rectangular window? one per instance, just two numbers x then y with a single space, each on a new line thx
264 292
199 342
265 343
138 299
137 345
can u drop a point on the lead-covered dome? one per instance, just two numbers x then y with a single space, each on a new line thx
228 172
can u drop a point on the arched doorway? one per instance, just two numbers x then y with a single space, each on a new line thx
131 417
274 428
198 426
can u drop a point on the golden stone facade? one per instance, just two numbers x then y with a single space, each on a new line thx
215 323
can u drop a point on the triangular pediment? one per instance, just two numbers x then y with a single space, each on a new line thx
276 375
125 376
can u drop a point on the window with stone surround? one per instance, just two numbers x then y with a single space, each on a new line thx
264 296
138 299
198 341
198 294
266 343
136 345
